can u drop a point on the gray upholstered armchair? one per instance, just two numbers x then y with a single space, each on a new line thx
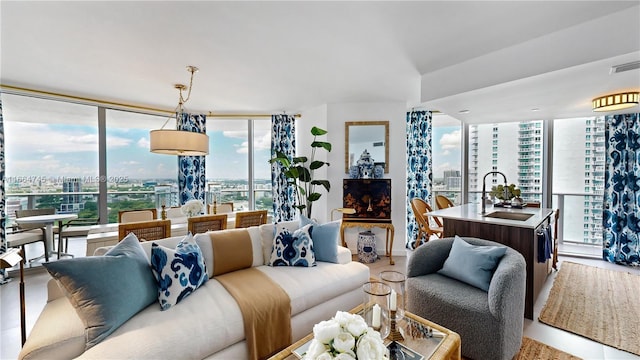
490 324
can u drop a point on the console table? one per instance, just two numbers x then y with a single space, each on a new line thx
387 225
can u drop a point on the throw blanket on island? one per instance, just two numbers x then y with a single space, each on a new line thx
261 314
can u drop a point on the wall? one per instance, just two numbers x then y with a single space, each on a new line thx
335 115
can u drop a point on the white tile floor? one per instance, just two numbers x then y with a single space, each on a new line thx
35 291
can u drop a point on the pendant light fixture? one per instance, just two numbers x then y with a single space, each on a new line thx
615 101
180 142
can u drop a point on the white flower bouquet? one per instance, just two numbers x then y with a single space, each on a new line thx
192 207
346 336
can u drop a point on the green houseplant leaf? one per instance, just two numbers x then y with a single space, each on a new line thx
299 172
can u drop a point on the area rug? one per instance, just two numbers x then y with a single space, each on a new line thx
532 349
599 304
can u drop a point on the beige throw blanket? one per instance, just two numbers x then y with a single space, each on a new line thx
265 306
266 311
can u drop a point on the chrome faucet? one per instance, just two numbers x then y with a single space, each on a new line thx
484 190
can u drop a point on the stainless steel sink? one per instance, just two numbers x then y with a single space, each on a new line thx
509 215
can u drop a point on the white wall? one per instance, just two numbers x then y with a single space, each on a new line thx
335 115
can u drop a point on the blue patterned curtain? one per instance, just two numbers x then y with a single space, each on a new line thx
3 237
191 169
418 166
621 217
283 132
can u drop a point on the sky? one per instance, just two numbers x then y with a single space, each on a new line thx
445 147
46 138
54 150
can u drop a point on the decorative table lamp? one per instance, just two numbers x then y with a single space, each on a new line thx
10 259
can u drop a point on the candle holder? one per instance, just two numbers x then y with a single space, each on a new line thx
395 280
394 332
375 307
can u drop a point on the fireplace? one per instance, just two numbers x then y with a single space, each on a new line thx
371 198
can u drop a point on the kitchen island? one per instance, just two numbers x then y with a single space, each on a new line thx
515 228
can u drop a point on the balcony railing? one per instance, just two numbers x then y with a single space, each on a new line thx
149 197
571 228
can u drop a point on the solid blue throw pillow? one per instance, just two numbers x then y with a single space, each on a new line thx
472 264
325 239
108 290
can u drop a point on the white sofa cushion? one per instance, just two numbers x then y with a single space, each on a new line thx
202 324
308 287
58 334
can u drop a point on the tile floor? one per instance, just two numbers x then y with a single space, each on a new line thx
35 292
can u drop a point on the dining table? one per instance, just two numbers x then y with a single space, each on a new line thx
48 220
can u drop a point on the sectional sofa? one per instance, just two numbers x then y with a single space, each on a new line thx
207 324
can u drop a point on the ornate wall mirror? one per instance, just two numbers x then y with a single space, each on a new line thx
372 136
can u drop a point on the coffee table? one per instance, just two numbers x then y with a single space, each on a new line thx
441 344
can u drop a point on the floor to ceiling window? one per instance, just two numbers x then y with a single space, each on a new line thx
578 182
138 178
447 161
515 149
53 149
238 170
51 155
261 167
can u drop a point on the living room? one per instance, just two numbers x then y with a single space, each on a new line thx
555 62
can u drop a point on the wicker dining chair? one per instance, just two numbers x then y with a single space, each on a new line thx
443 202
251 218
221 208
126 216
146 230
425 229
204 223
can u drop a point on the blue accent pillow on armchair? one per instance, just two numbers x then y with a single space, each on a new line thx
472 264
325 239
108 290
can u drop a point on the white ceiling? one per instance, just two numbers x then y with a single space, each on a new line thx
497 59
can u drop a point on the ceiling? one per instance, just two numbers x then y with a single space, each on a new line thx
499 60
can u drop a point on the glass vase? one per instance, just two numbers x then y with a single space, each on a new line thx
375 307
395 280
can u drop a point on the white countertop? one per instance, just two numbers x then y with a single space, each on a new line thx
472 212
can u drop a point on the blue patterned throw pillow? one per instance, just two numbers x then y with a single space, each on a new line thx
179 272
293 249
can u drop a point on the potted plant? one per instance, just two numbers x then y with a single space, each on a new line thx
499 193
299 172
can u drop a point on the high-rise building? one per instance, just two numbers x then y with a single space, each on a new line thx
594 179
514 149
167 195
71 203
452 180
